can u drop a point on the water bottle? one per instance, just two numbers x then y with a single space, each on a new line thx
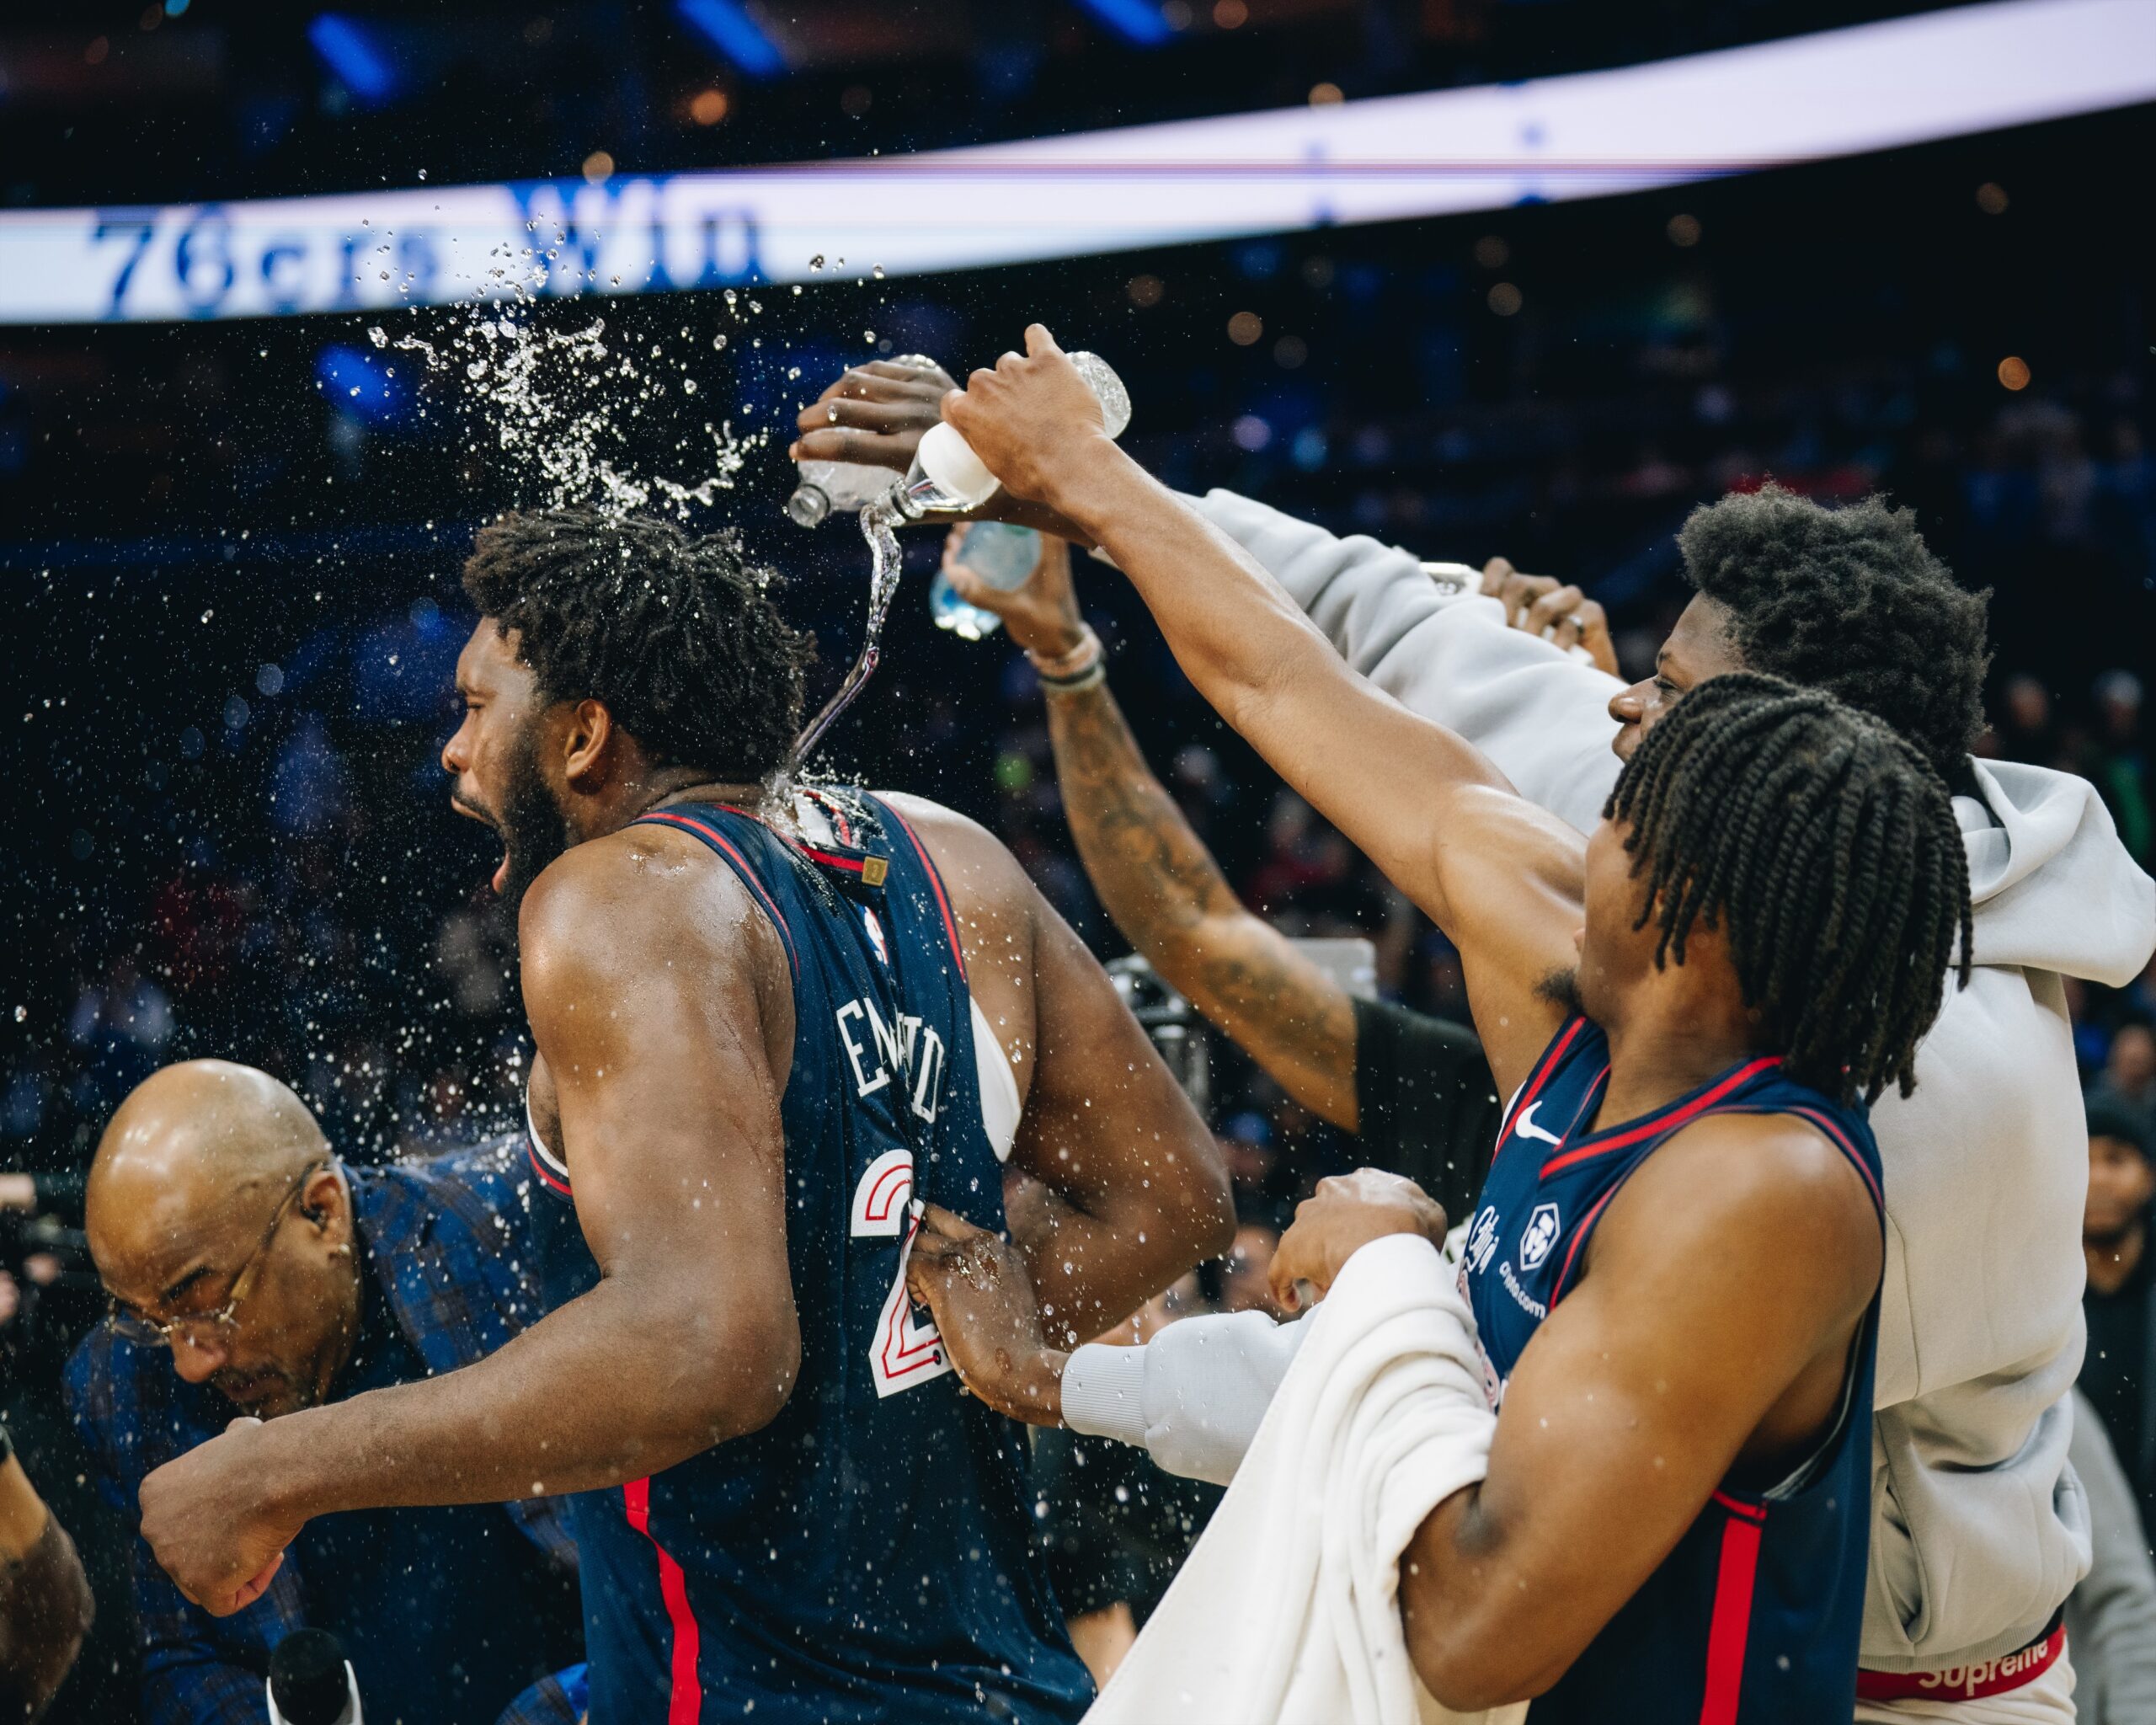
946 477
968 621
1004 557
847 487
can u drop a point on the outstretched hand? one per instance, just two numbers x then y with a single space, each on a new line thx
1552 610
975 1283
1032 420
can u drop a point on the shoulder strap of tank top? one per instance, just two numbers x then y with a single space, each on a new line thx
904 828
1816 1118
1552 1057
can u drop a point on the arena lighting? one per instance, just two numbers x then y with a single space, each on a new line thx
350 51
1872 87
729 28
1137 22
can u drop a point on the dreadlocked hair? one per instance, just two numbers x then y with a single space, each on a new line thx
676 635
1826 848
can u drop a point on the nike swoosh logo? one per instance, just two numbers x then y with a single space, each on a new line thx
1526 1128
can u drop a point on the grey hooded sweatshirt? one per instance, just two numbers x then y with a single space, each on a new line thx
1980 1529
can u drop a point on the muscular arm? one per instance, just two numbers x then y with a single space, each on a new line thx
1711 1330
1500 878
655 992
1136 1191
1158 881
1155 876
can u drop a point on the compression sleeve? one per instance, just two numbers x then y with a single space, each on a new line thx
1192 1396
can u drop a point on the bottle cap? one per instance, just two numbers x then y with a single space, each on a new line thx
808 505
948 461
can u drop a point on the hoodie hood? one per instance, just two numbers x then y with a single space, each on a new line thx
2053 887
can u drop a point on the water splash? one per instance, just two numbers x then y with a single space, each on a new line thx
554 406
886 562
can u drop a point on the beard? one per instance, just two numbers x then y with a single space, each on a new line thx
533 829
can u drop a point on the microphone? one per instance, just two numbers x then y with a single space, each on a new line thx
310 1681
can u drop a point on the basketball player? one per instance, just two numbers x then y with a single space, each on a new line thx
1979 1527
1675 1266
767 1028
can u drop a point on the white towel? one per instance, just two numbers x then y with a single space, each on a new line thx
1287 1612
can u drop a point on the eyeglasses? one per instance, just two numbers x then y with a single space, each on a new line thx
158 1332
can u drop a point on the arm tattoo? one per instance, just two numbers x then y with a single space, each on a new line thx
1167 894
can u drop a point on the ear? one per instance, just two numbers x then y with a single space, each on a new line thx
590 730
326 1206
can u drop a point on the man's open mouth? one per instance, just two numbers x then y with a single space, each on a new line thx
499 879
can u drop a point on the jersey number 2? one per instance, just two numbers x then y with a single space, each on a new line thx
907 1349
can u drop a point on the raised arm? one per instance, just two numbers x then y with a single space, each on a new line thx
1155 876
1131 1190
1536 711
659 998
1500 878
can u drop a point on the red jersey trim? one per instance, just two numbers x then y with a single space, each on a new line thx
1663 1123
546 1174
1536 1079
936 885
1731 1626
684 1702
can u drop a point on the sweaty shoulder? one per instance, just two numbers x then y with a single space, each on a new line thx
648 902
1741 1192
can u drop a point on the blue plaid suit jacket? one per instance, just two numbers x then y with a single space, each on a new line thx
449 1249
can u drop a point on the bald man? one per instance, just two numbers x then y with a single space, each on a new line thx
253 1274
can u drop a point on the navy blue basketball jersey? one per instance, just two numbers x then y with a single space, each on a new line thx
870 1555
1752 1618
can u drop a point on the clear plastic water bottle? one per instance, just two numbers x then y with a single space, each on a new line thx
968 621
1003 556
845 488
946 477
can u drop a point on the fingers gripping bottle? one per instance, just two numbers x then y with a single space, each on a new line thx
1003 556
846 488
948 478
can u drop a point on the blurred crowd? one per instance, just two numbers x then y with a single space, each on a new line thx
236 840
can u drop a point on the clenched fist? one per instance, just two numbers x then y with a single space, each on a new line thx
208 1516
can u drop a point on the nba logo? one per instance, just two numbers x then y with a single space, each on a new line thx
1540 1234
876 936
